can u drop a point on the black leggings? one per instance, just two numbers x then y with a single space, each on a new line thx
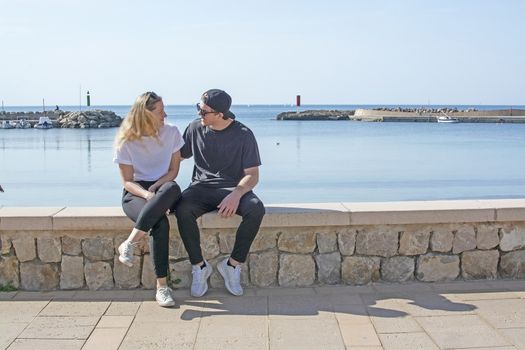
151 215
197 200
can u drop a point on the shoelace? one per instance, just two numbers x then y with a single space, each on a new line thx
128 248
237 274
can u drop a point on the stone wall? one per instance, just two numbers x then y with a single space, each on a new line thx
298 245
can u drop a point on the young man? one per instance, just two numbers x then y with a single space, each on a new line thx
226 170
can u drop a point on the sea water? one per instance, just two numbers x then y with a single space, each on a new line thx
302 161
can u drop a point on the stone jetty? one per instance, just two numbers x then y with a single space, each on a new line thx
399 114
316 115
88 119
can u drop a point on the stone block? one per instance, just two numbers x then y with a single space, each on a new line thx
265 239
377 240
360 270
512 265
148 277
226 242
414 242
72 275
71 245
480 264
326 242
441 239
99 248
397 269
328 268
127 277
346 241
437 267
297 241
296 270
49 249
25 248
263 268
5 245
487 236
180 274
177 250
512 237
464 239
210 246
9 271
38 277
99 275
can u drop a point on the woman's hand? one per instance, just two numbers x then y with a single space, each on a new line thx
149 195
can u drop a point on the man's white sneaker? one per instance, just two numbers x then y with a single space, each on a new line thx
232 277
126 252
164 297
199 283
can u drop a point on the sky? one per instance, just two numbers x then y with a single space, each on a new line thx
263 52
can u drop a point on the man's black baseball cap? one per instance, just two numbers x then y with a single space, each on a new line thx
219 100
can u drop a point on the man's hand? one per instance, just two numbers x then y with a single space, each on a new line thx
229 205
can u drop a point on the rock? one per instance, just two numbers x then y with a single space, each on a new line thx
180 274
512 237
512 265
397 269
99 275
326 242
25 248
49 249
414 242
226 242
296 270
35 276
346 242
210 246
9 271
72 275
177 250
148 277
360 270
263 268
381 241
99 248
480 264
487 236
464 239
329 268
436 267
297 241
265 239
216 280
441 240
71 245
5 245
127 277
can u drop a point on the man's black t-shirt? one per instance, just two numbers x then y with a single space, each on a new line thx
220 156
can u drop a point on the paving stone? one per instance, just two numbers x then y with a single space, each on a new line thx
60 327
47 344
105 338
75 308
304 334
404 341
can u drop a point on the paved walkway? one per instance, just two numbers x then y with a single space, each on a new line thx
458 315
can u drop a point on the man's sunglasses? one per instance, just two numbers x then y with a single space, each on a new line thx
201 111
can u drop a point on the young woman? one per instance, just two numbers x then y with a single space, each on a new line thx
148 154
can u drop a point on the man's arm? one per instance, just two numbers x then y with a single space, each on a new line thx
230 203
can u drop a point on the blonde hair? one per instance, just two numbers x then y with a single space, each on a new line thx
140 121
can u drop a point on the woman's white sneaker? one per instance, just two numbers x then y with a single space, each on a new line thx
232 277
126 252
164 297
199 283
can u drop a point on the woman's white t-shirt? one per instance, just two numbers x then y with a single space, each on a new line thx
150 157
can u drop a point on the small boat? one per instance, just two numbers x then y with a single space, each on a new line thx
22 124
44 123
6 125
446 119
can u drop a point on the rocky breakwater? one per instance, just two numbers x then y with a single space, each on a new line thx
89 119
316 115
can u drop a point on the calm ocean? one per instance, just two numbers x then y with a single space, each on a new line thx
308 161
